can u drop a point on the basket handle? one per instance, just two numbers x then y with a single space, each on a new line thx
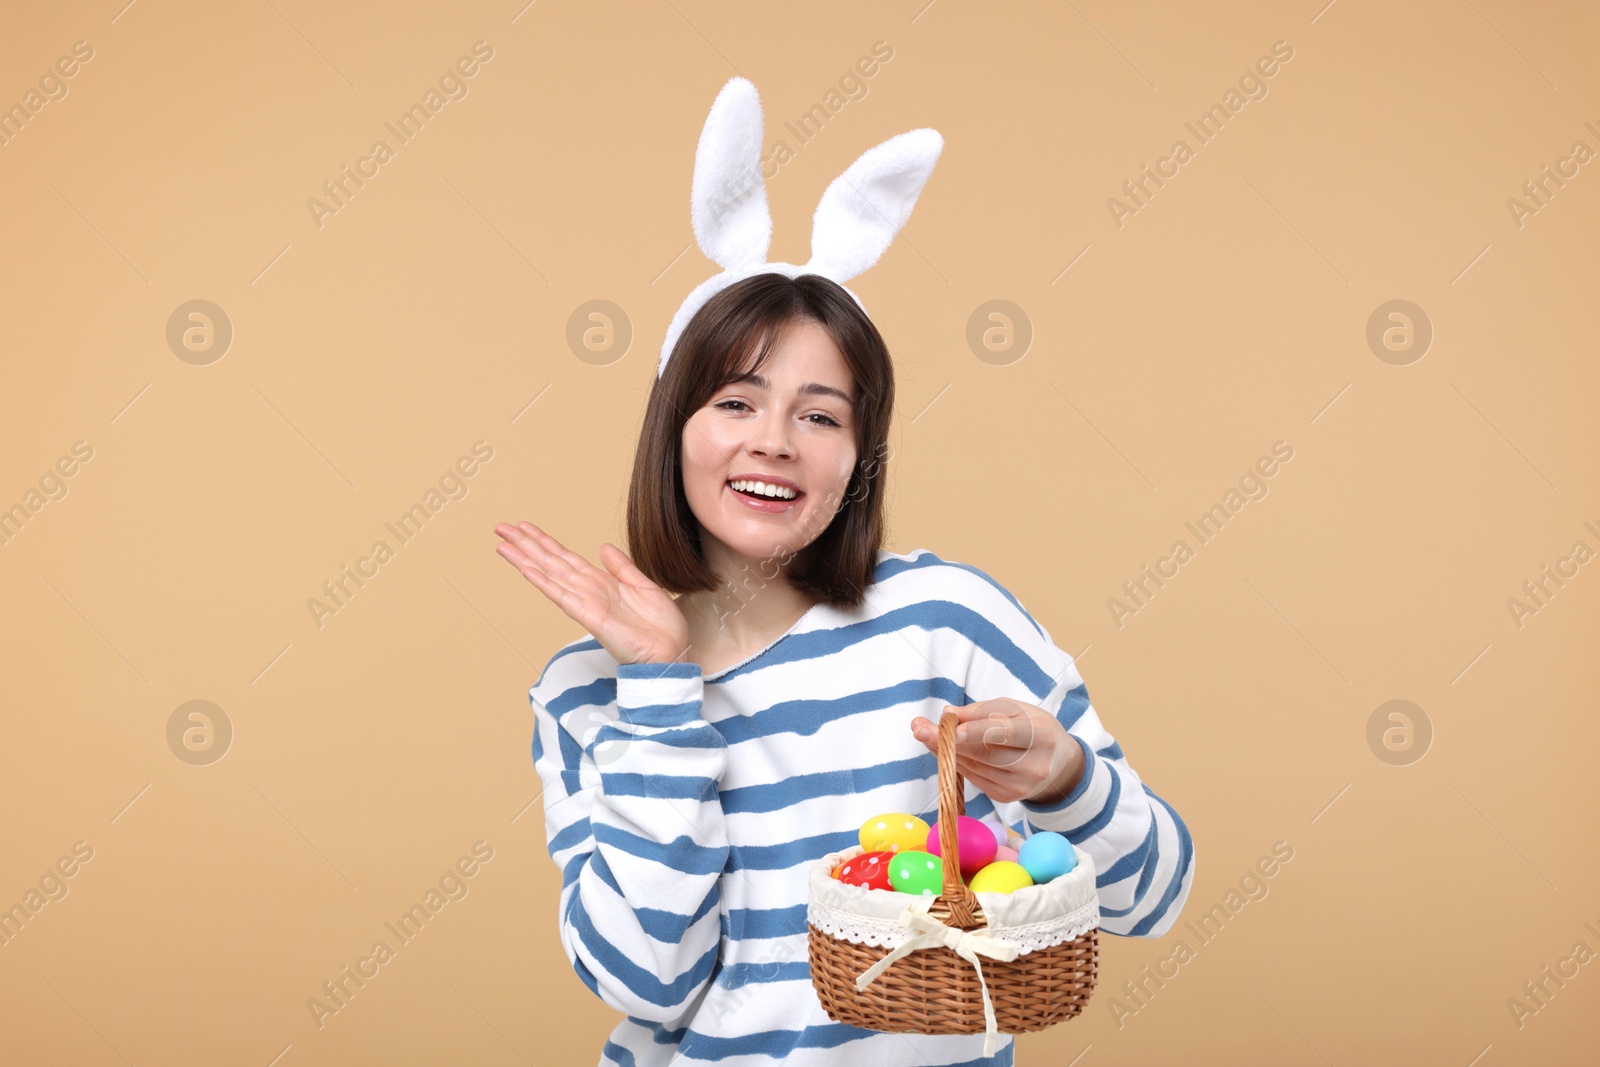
958 901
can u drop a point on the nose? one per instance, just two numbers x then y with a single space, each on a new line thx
770 437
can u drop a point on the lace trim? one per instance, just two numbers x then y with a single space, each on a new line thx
891 933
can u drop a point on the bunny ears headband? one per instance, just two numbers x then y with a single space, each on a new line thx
856 219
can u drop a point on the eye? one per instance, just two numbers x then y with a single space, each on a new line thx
740 405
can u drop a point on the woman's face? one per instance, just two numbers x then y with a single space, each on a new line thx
791 426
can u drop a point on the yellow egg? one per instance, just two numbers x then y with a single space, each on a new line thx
894 832
1001 876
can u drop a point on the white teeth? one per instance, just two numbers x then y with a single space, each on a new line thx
777 492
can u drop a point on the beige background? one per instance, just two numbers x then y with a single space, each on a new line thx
431 312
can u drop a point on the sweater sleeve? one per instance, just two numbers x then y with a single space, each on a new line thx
634 821
1144 856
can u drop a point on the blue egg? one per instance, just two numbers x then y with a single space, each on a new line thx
1046 855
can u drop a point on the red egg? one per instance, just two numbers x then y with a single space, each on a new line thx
870 869
975 844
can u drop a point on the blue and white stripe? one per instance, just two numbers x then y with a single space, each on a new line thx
685 812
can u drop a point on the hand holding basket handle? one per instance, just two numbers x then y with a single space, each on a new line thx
1011 750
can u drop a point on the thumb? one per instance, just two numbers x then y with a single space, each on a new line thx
622 568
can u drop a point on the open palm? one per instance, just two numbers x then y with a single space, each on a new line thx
632 617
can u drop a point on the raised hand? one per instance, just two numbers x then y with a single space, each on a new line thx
633 618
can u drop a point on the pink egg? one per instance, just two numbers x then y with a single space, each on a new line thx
975 844
1004 853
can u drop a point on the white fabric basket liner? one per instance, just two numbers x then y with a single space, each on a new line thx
1032 918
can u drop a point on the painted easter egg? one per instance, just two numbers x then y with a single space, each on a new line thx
1001 876
1046 855
992 821
999 854
917 873
975 844
870 869
893 832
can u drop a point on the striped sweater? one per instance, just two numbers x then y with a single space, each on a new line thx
685 812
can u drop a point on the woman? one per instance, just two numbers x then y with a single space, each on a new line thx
700 754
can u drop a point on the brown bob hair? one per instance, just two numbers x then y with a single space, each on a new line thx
731 335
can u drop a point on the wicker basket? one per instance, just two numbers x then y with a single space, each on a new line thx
1039 947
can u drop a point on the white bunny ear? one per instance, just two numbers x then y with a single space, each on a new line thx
728 199
862 210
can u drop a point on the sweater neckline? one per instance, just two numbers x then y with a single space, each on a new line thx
770 645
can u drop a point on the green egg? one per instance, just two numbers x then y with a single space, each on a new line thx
918 873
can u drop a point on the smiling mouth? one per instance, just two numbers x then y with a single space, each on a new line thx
751 500
774 495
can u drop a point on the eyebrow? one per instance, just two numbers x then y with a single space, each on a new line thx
808 389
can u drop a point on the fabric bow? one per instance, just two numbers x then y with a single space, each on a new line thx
968 946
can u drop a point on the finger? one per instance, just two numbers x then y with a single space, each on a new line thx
1000 783
623 568
990 786
995 730
513 531
985 760
562 558
511 553
926 732
524 545
1001 723
528 568
540 578
574 604
970 724
531 570
987 725
973 720
1021 741
525 563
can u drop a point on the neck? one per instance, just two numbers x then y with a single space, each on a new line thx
747 606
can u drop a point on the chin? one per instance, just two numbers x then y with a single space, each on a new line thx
757 537
757 548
